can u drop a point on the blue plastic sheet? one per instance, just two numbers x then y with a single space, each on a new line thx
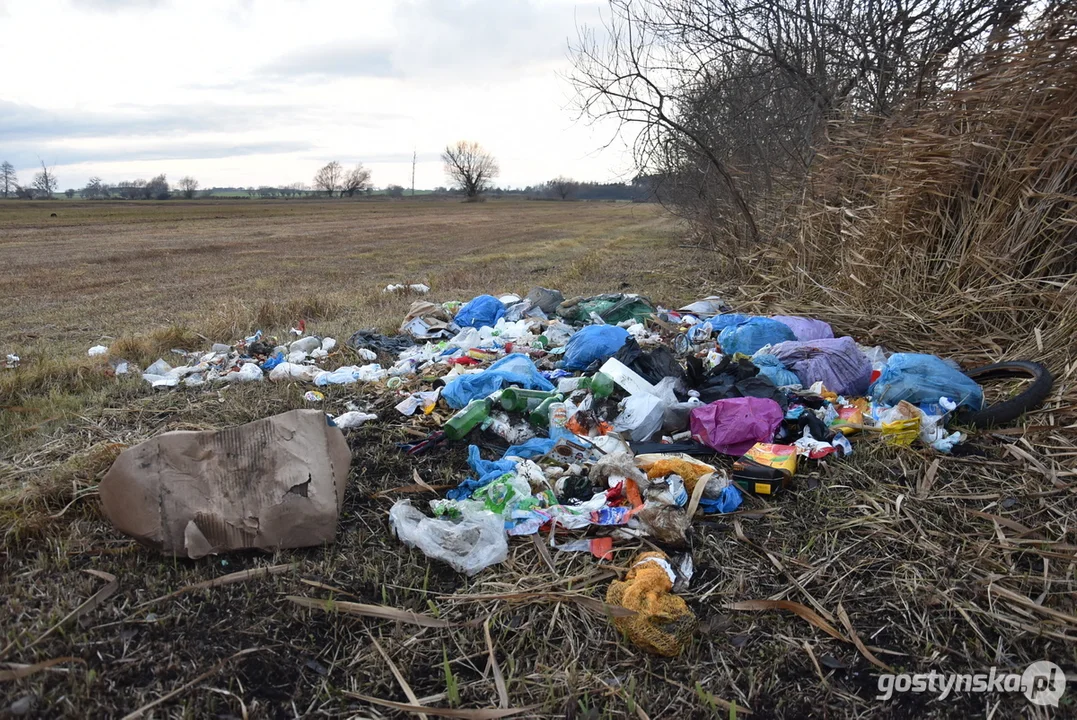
753 334
532 448
515 369
594 342
483 311
717 323
771 367
487 471
919 378
727 501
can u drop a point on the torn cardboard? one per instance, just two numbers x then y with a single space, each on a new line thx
273 483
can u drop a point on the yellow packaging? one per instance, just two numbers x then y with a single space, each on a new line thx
905 427
779 457
848 415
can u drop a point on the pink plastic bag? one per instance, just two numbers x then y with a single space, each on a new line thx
733 425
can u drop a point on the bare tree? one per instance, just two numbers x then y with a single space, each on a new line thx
562 187
724 100
329 178
157 188
24 192
95 188
468 165
356 180
188 186
46 182
8 179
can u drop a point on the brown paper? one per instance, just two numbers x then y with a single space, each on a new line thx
273 483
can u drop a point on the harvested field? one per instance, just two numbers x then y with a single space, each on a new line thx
908 559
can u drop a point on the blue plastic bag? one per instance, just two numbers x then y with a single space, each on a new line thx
483 311
273 361
771 367
919 378
594 342
515 369
487 470
716 324
532 448
753 334
728 500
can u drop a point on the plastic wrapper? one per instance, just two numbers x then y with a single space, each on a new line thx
641 418
470 544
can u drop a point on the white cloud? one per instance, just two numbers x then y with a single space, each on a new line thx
238 92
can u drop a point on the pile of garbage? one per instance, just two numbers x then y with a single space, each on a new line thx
605 418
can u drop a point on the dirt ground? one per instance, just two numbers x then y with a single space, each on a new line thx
915 561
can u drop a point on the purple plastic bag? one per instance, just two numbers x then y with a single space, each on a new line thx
838 362
805 328
733 425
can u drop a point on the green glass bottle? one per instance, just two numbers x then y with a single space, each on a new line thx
600 384
540 416
467 418
516 399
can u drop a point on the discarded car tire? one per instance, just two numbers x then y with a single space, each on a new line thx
1009 410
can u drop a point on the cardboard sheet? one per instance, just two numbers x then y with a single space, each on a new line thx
273 483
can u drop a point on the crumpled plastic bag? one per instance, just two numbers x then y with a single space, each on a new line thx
837 362
545 299
594 342
805 328
663 624
774 369
733 425
474 542
641 418
482 311
652 366
716 324
514 369
919 378
753 334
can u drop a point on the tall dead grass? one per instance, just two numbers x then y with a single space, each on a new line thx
955 218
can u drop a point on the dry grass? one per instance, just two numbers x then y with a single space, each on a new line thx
945 563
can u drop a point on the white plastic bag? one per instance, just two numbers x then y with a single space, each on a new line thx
291 371
641 418
249 372
468 545
97 350
305 344
353 419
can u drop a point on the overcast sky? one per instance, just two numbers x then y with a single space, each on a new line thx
263 92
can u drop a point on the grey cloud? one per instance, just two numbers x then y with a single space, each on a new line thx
440 36
332 61
27 122
187 151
